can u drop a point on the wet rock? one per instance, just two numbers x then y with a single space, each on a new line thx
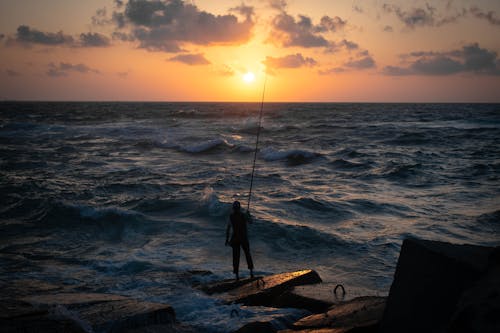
19 316
226 285
258 326
265 291
317 298
99 312
479 306
360 314
429 281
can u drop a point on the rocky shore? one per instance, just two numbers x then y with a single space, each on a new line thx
437 287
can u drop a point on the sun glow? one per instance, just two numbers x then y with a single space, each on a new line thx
249 77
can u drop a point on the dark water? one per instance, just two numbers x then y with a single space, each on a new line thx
132 198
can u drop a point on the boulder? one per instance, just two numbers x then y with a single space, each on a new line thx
265 291
360 314
19 316
479 306
226 285
96 312
429 280
257 326
318 298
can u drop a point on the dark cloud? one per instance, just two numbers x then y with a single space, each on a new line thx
124 37
388 28
63 69
95 39
329 71
165 25
470 59
191 59
287 31
122 75
488 16
422 16
100 18
28 35
225 70
12 73
247 11
357 9
364 62
278 4
289 61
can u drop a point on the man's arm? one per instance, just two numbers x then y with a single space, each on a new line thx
228 229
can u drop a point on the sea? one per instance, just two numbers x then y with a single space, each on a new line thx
133 198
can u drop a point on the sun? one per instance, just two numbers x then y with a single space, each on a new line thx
249 77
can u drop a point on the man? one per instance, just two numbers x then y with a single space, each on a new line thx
238 222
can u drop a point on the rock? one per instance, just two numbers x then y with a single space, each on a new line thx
258 326
226 285
19 316
429 280
479 306
318 298
362 313
103 312
266 290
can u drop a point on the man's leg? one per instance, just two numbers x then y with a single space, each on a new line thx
248 256
236 259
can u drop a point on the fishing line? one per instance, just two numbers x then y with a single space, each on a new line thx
257 142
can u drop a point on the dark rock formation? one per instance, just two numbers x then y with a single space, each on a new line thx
258 326
72 312
479 307
265 291
226 285
429 281
362 313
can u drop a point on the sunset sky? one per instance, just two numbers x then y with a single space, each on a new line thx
314 50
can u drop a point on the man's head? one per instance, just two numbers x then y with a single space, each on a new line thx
236 206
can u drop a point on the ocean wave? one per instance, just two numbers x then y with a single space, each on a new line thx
396 171
492 218
347 165
370 207
207 146
293 156
408 139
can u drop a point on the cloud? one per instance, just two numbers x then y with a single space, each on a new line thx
357 9
27 35
289 61
489 16
191 59
12 73
470 59
225 70
100 18
278 4
329 71
63 69
364 62
288 32
422 16
122 75
94 40
388 28
165 25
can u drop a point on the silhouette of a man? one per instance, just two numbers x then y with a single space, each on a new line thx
238 222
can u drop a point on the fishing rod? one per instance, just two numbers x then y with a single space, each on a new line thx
257 143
